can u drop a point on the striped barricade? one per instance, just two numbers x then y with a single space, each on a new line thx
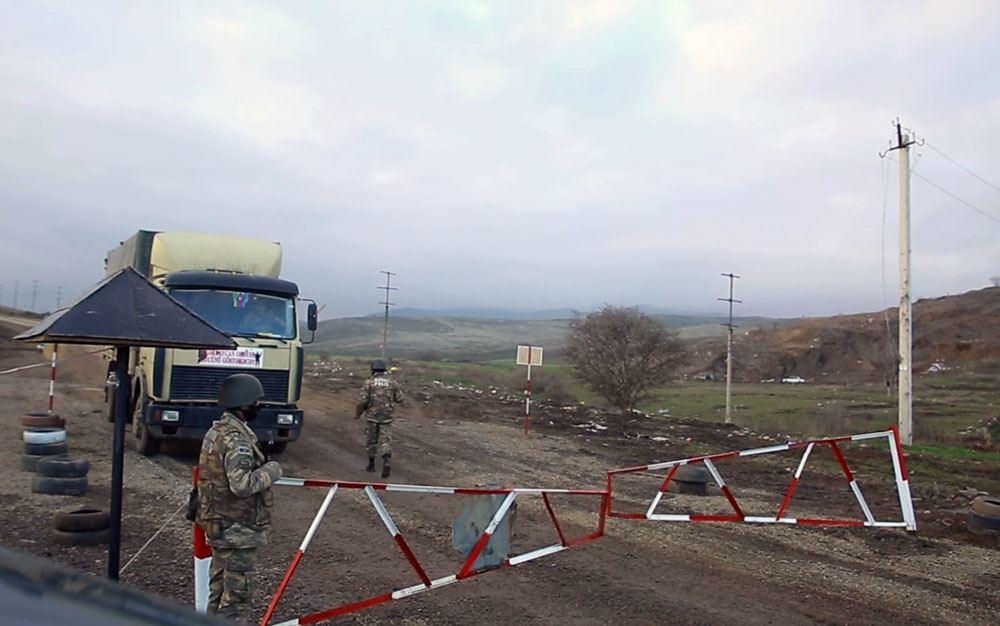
468 568
709 461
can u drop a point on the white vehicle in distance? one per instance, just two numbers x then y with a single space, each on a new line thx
793 380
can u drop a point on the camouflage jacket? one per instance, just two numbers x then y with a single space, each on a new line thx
379 398
234 489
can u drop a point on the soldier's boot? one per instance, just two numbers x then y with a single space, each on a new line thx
385 465
371 464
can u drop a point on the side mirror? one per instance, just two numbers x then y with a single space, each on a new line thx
311 317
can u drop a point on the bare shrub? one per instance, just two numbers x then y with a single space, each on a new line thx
623 355
995 281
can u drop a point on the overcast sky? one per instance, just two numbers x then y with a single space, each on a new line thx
524 155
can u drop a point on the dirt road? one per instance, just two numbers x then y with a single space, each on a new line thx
641 572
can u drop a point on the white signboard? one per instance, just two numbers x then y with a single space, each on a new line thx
529 355
240 357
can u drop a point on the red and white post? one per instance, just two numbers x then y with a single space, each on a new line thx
528 355
202 564
52 377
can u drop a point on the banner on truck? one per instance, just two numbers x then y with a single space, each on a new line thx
240 357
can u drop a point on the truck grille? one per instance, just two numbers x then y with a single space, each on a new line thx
189 382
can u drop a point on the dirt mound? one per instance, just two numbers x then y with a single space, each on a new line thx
952 333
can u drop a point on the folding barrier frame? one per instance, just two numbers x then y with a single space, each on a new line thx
899 468
467 570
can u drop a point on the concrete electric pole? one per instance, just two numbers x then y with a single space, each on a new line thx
729 349
905 311
385 320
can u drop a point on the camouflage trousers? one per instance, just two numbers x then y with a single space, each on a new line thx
378 438
230 583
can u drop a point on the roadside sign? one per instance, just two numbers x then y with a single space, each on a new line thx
529 355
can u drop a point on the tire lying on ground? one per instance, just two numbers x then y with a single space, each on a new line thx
82 519
692 480
44 435
83 538
988 506
29 462
984 518
62 466
41 419
45 449
59 486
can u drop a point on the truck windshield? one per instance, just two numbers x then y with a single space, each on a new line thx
242 314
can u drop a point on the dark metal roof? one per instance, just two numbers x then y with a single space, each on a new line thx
235 282
127 310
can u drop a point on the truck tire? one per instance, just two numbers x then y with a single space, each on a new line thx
45 449
62 467
59 486
41 419
83 538
983 525
44 435
82 519
145 443
29 462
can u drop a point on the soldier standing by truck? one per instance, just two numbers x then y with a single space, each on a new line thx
379 397
234 497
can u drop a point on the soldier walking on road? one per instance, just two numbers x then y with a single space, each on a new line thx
234 497
378 400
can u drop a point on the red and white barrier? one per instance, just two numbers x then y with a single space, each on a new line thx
202 564
709 461
52 376
467 569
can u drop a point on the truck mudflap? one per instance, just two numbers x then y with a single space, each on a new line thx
172 421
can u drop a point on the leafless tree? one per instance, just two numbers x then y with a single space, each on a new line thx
623 354
995 281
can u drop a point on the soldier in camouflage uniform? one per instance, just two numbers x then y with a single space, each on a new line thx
234 497
377 403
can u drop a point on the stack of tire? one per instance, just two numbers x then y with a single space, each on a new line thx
45 454
984 518
82 526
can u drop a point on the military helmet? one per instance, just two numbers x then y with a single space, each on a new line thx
240 390
378 365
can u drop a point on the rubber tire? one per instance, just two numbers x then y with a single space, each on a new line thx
29 462
82 519
59 486
982 525
277 447
62 467
41 419
85 538
45 449
44 435
987 506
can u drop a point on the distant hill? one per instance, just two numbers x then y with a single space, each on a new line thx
960 334
477 338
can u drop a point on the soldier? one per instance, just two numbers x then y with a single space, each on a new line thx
234 497
378 400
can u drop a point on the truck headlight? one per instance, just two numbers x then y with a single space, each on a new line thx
286 418
171 416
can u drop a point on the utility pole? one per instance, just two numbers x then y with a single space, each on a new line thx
385 321
34 294
903 143
16 285
58 297
729 349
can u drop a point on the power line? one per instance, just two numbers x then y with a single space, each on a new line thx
962 167
952 194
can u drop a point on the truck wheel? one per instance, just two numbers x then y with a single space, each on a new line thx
278 447
145 443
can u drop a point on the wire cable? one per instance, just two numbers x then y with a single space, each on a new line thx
930 182
962 167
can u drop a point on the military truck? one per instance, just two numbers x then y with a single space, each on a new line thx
232 283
